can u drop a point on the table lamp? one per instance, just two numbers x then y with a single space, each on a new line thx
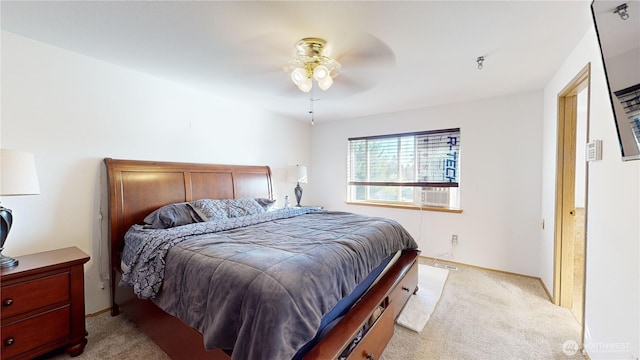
298 174
18 176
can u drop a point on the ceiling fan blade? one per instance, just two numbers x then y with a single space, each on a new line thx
349 84
262 54
363 50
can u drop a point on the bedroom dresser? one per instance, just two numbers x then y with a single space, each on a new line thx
43 304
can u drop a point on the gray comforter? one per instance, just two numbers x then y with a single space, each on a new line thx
259 286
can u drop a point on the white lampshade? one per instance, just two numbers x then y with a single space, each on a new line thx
323 76
297 173
299 76
305 86
325 83
321 72
18 174
301 79
302 174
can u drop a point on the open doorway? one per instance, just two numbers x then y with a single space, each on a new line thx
571 195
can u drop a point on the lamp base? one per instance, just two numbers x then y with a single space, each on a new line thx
298 192
6 220
7 262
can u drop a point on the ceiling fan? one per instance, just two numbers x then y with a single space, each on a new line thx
346 63
359 63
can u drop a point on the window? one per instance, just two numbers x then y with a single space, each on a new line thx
421 168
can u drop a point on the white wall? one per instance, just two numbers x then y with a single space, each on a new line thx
71 111
500 178
613 227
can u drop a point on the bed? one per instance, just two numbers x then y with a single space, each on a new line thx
136 188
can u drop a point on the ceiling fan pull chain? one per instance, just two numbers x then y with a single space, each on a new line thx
311 105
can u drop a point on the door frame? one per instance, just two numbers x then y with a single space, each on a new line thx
578 83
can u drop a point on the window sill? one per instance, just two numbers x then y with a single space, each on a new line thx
407 206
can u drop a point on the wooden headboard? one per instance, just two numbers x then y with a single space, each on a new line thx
136 188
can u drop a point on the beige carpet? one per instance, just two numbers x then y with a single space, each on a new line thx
481 315
489 315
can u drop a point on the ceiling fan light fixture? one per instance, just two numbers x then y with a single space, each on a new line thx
311 63
321 72
323 77
299 76
305 86
325 83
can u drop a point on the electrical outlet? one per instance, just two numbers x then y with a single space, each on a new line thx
454 239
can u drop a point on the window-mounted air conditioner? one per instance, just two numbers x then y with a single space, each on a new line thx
435 196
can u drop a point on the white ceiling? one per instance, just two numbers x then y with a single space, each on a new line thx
238 49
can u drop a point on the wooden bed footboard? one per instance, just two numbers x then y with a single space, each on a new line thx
135 188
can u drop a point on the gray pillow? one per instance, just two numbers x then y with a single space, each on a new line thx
243 207
221 209
172 215
213 209
265 203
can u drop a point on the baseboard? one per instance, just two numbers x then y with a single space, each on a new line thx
98 312
490 269
546 290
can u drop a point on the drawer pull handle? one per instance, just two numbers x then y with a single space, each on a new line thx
405 288
7 302
9 342
370 357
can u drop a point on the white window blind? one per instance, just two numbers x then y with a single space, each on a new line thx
419 159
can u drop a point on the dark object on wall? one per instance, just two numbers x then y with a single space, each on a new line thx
618 30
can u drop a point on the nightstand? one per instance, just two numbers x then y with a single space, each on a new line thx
42 306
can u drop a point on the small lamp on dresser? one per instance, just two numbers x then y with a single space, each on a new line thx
18 176
297 174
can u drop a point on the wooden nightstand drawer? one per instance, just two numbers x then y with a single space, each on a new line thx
35 331
32 295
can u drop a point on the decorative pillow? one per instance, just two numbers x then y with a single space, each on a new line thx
265 203
221 209
243 207
174 215
213 209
